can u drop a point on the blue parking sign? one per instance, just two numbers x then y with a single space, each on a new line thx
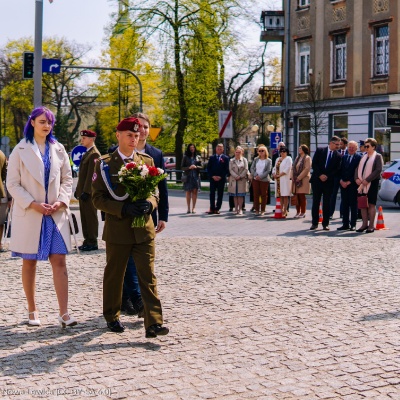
275 138
77 153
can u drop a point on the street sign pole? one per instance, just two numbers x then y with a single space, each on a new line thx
37 67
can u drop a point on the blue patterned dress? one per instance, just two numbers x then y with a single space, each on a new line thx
51 241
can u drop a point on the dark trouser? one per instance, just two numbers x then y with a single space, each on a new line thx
349 204
332 206
321 189
131 288
260 189
219 188
90 222
117 256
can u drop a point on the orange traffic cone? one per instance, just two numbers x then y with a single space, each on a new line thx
278 210
320 214
380 223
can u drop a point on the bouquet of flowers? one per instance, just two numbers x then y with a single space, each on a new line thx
140 182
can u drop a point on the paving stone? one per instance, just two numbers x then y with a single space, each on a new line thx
321 323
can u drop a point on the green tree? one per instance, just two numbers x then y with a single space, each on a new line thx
66 93
181 25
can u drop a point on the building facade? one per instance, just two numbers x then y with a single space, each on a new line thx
343 72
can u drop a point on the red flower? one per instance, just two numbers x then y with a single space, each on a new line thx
130 165
153 171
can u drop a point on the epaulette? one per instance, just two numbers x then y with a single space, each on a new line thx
144 155
105 157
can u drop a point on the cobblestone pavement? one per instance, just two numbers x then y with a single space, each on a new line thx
251 317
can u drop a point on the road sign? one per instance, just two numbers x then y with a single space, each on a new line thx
51 65
393 117
275 138
225 124
77 153
154 132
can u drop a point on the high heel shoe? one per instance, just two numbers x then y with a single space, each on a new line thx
361 229
370 230
302 215
35 321
69 322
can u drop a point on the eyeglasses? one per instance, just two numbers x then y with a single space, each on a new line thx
261 151
367 146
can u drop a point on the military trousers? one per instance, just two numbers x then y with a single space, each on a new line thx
117 256
90 222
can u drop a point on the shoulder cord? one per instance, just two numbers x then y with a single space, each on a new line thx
106 178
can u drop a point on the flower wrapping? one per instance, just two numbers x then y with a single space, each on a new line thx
140 182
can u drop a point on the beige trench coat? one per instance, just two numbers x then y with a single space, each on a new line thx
304 176
25 182
238 168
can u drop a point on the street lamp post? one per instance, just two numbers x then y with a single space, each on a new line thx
256 128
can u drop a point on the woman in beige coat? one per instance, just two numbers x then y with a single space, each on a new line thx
238 180
40 182
301 180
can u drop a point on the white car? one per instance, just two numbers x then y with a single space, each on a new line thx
390 185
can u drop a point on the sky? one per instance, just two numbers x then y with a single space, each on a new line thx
80 20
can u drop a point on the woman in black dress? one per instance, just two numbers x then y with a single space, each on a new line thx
191 166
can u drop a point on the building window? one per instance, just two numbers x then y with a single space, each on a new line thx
303 66
304 3
381 133
381 49
339 57
304 131
340 125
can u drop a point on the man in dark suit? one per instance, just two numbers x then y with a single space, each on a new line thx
342 151
326 165
121 239
88 212
349 187
218 170
131 297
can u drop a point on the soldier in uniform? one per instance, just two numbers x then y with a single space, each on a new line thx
121 239
89 220
5 200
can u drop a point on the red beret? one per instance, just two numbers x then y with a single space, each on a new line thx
88 133
129 124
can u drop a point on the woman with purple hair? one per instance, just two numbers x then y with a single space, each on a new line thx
40 182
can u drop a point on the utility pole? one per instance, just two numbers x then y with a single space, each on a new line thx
287 68
37 66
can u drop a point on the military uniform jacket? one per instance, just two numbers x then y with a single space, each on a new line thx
117 229
86 169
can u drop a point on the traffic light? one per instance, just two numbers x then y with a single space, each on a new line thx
27 66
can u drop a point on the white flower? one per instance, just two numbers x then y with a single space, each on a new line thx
160 171
144 171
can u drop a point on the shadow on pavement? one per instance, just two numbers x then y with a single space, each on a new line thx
44 349
380 317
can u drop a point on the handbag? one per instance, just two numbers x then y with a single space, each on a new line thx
184 178
362 201
293 201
